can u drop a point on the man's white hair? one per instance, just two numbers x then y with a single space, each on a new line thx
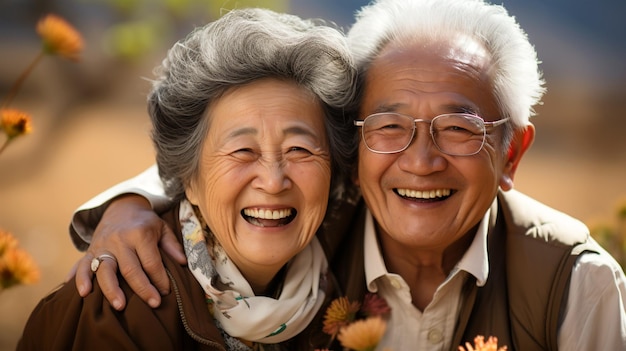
516 78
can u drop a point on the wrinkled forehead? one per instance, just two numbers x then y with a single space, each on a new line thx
458 47
436 70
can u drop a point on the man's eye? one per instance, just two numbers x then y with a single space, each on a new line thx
461 129
390 126
456 128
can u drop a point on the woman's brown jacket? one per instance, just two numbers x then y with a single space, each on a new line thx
65 321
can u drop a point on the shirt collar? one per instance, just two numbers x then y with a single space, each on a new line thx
374 263
475 261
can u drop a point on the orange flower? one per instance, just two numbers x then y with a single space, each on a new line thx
15 122
481 345
363 335
17 267
340 313
7 242
59 37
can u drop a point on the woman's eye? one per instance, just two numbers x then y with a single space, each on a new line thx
243 150
298 149
244 154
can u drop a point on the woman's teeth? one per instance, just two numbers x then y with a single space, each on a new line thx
267 214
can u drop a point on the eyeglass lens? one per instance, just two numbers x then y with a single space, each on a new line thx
453 134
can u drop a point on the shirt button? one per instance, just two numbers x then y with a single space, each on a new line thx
435 336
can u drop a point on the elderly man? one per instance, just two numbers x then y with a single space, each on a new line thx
447 89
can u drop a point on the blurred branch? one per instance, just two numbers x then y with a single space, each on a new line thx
145 26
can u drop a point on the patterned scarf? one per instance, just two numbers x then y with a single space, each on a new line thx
237 311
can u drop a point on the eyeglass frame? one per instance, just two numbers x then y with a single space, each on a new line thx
486 124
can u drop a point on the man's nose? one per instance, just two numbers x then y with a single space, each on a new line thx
422 156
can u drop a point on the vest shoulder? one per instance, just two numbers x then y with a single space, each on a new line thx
528 217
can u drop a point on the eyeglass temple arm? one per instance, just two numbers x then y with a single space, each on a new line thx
496 123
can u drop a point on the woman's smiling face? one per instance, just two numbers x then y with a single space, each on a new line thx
264 175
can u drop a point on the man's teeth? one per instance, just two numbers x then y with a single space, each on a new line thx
267 214
428 194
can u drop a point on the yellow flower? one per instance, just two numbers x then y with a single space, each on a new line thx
17 267
481 345
363 335
340 312
59 37
15 122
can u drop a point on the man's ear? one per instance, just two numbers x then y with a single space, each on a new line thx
521 142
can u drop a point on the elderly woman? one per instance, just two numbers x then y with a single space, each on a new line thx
250 140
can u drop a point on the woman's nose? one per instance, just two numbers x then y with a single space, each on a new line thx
272 177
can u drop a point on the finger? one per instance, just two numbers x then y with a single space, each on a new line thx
84 275
72 272
110 285
170 244
152 263
134 274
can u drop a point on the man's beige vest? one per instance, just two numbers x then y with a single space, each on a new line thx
532 249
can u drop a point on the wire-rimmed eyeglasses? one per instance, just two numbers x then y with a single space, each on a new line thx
455 134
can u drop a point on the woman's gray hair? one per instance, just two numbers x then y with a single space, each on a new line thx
516 78
243 46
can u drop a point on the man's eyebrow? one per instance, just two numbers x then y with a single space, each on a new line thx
461 108
448 108
388 108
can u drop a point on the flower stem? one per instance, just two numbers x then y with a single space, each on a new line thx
6 143
18 83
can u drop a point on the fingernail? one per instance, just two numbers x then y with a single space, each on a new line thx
164 292
153 303
117 304
82 290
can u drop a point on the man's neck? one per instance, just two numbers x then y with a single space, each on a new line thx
424 270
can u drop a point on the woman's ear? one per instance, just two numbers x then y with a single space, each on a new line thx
190 192
521 142
355 176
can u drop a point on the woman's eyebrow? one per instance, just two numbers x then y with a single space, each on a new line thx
299 130
293 130
242 131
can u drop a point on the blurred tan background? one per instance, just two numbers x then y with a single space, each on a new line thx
91 128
